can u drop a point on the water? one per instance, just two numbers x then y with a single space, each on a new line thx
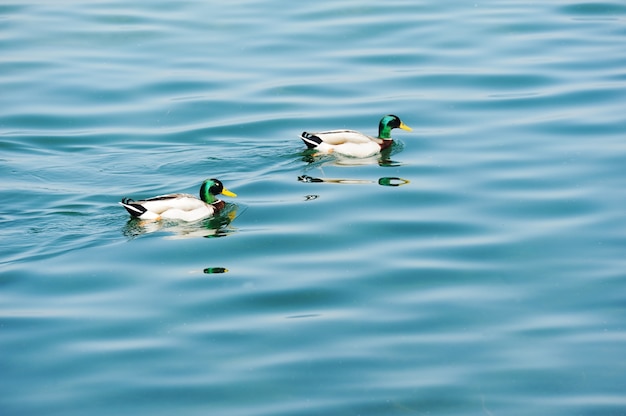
490 284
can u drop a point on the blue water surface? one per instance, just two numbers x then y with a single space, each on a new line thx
492 282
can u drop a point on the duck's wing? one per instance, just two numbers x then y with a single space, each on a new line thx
335 137
167 197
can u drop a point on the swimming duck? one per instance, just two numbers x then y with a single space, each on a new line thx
354 143
183 207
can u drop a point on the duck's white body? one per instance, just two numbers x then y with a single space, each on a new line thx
183 207
344 142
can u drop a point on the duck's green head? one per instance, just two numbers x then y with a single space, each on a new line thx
212 187
388 123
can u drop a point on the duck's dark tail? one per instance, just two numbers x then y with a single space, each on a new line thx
133 209
311 140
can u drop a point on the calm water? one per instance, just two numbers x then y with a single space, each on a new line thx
494 283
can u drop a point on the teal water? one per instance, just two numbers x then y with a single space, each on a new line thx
493 283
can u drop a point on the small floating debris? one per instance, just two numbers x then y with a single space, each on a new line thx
215 270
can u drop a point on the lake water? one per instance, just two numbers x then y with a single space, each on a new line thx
492 283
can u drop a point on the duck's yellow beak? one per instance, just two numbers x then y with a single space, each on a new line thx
405 127
228 193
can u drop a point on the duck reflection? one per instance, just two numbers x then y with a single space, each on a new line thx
218 226
383 158
384 181
317 161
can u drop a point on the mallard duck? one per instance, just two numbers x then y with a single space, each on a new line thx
354 143
183 207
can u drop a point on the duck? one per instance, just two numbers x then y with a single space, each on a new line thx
184 207
353 143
